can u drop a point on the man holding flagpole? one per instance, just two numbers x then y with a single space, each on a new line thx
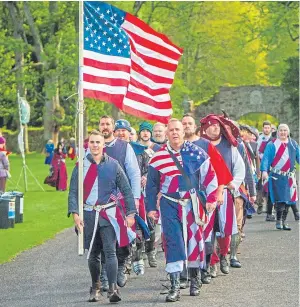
103 222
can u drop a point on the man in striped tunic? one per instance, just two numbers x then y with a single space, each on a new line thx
104 224
180 171
278 169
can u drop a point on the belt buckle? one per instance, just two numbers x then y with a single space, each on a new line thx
97 208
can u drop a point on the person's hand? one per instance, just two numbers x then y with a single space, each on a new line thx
210 207
130 220
144 181
220 196
252 199
153 215
258 175
231 186
79 224
265 176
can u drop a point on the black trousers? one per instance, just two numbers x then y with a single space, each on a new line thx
105 241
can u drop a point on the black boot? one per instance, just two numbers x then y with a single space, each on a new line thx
113 294
103 279
183 278
279 212
121 277
174 292
205 277
151 251
259 209
152 259
224 267
270 218
235 241
196 283
285 226
95 293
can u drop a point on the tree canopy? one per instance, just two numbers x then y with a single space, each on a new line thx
225 43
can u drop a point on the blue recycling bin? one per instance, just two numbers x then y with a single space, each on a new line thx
7 211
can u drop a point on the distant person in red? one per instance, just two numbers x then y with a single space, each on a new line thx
72 149
3 145
58 177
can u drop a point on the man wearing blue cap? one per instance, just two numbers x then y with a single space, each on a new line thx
121 151
122 131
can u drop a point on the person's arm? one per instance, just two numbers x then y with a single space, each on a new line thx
238 168
297 152
133 172
268 158
5 162
124 187
257 160
73 193
249 180
152 189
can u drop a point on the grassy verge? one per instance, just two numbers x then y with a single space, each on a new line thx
44 212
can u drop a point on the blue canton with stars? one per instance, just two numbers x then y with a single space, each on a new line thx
192 157
102 30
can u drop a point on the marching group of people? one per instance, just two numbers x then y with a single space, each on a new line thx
193 192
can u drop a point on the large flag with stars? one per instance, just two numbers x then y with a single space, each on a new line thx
127 63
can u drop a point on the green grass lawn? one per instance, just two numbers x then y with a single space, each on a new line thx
45 213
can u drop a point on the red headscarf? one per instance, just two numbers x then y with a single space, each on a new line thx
234 128
212 119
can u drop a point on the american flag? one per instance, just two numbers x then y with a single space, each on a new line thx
127 63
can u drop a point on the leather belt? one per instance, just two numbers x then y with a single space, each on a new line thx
96 208
279 172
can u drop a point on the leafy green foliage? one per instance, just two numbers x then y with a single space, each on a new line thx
291 82
225 44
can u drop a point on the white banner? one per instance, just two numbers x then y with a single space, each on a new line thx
21 141
25 110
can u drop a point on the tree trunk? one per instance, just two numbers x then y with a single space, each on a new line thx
19 58
116 113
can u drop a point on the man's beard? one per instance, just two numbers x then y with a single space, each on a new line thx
188 135
107 136
145 140
160 139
